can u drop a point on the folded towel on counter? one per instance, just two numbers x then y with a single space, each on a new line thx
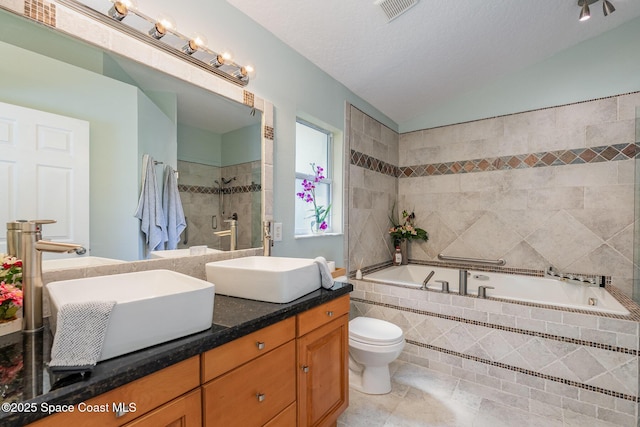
149 212
326 280
172 208
80 332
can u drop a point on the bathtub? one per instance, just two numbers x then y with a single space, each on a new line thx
536 290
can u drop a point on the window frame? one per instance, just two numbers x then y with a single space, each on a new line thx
329 167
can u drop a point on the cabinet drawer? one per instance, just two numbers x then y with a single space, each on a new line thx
184 411
146 393
254 393
231 355
325 313
286 418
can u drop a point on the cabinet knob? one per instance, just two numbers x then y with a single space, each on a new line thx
330 313
260 345
260 397
121 411
305 369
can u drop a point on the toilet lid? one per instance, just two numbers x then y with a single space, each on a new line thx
369 330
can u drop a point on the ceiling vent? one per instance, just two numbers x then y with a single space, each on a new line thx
395 8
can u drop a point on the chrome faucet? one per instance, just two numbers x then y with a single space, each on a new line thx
462 284
571 278
268 239
31 248
232 232
425 282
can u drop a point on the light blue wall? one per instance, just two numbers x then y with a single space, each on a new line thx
241 146
199 146
602 66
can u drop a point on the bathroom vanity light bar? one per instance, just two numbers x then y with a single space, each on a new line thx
155 34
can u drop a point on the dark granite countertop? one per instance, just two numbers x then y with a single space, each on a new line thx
25 380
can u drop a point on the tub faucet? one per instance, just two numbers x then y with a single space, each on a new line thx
462 284
571 278
425 282
31 249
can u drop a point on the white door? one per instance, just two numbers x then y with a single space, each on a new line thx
44 172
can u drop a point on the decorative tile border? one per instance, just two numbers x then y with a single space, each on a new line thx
373 164
602 153
41 11
197 189
528 372
248 98
536 334
518 331
269 132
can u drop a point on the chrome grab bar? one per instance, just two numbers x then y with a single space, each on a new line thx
476 260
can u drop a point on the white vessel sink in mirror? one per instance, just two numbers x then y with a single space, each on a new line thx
152 306
270 279
176 253
77 262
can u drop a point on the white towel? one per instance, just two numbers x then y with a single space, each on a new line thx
80 332
326 280
149 210
172 208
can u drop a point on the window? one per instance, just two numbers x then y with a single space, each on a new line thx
315 211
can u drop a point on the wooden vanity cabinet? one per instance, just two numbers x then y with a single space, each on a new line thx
294 372
323 363
159 392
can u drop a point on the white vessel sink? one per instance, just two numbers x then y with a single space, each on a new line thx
77 262
177 253
270 279
152 306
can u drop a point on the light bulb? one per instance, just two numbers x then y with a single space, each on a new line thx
160 28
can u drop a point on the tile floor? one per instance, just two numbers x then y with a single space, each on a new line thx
426 398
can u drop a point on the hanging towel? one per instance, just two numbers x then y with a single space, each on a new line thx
326 280
80 332
149 212
172 208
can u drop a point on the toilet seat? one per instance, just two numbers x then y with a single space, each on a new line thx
372 331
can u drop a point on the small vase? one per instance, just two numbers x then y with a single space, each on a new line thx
10 326
404 249
315 229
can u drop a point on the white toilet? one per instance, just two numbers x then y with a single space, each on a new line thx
373 344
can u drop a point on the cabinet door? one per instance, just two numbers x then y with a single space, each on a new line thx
184 411
323 384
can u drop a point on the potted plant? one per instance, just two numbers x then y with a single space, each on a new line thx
318 213
405 230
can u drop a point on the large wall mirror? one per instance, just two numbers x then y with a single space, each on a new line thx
216 144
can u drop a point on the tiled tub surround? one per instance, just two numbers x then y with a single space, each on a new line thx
200 199
530 357
547 187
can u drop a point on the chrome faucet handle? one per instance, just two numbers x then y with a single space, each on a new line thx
482 291
445 285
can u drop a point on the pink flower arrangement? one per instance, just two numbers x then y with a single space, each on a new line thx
10 287
308 194
405 230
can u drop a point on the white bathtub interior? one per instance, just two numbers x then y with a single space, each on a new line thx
537 290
